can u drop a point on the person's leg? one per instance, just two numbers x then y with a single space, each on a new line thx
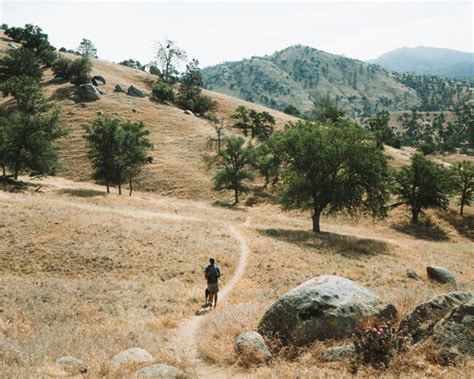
215 299
207 296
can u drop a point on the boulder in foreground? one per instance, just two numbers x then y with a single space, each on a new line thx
322 308
252 347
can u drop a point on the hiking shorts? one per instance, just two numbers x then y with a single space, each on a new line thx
212 287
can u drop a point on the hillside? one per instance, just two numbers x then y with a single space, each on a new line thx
299 75
180 141
429 61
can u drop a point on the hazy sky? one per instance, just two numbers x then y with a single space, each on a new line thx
219 31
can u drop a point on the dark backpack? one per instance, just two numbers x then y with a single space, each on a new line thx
212 273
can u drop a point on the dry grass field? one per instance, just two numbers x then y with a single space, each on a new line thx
87 274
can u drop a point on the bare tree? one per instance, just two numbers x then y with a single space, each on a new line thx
169 54
219 125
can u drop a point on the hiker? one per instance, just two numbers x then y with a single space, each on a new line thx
212 274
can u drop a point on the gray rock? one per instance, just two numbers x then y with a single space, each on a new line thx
87 92
134 91
102 91
419 323
12 46
412 275
160 371
120 88
440 274
98 80
322 308
455 330
187 111
135 355
338 353
72 365
252 346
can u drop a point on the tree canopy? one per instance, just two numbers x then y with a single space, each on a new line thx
332 169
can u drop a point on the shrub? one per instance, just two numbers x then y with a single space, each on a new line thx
62 67
163 92
48 57
375 345
80 71
63 50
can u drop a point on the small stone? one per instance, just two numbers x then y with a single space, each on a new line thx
136 92
412 275
98 80
252 346
135 355
160 371
120 88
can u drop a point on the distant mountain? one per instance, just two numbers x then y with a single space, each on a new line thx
299 75
429 60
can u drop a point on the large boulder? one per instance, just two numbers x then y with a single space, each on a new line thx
440 274
322 308
456 329
87 92
134 91
134 356
160 371
252 347
419 323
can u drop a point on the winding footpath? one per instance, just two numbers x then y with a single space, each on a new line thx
185 340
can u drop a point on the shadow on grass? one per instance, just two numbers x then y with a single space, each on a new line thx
62 93
347 246
227 205
83 192
426 230
463 225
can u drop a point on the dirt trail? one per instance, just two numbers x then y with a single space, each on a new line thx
185 341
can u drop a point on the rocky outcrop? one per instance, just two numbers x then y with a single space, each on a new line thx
419 323
455 330
87 92
252 347
440 274
160 371
322 308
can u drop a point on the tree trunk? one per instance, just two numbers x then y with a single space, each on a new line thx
462 207
236 196
16 171
316 219
267 180
414 216
3 169
130 186
120 188
108 187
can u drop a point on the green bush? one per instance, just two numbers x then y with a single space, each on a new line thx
80 71
163 92
48 57
375 346
62 67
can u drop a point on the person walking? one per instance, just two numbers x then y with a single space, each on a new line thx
212 274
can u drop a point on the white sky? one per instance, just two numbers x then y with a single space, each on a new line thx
219 31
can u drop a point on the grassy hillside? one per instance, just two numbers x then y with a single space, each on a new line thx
299 75
179 140
430 61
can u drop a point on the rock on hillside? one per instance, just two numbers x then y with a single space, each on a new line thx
180 141
322 308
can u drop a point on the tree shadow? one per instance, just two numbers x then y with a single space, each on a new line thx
347 246
62 93
463 225
227 205
82 192
426 230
